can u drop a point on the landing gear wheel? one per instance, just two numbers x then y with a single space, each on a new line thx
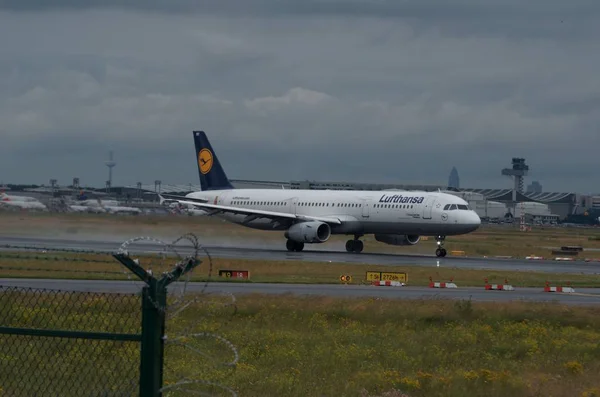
354 246
350 245
292 246
358 246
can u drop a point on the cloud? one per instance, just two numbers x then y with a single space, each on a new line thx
369 91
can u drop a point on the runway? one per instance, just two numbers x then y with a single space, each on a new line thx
583 296
233 252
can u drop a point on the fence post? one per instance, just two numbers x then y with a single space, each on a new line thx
154 305
152 348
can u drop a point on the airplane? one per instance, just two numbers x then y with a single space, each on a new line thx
313 216
85 208
177 208
107 206
23 202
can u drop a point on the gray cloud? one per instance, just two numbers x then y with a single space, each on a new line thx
323 91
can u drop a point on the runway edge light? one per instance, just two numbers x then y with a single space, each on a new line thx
346 279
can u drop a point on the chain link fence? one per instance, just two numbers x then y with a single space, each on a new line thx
57 342
64 343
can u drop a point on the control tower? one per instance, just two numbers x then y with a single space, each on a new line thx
518 171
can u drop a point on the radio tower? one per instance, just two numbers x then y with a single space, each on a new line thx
110 164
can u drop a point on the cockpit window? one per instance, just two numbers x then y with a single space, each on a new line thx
446 207
463 207
452 207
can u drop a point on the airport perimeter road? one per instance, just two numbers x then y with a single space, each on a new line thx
549 266
583 296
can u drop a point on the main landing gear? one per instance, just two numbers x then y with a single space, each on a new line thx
354 245
440 252
292 246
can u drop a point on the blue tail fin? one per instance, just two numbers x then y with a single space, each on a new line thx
212 176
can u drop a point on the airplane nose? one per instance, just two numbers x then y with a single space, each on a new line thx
473 220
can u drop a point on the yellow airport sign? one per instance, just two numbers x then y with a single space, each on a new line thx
373 276
394 276
387 276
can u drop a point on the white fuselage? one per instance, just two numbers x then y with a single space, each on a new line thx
22 202
361 212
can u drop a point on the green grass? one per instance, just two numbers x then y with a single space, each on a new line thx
297 346
103 267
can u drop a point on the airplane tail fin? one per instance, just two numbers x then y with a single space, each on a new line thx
212 175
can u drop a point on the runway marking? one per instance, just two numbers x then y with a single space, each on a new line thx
582 294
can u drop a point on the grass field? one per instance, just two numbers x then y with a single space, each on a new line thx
294 346
487 241
79 266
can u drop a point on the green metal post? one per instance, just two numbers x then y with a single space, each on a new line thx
154 305
152 348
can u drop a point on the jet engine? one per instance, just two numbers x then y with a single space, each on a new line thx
309 232
397 239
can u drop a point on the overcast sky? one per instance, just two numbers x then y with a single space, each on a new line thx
364 90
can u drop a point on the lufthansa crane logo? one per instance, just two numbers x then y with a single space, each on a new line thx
205 161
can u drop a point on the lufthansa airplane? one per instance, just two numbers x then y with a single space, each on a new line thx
312 216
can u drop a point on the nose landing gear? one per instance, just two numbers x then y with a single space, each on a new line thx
440 252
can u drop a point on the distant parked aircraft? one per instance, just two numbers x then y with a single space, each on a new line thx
22 202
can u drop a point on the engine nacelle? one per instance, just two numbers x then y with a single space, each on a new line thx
309 232
397 239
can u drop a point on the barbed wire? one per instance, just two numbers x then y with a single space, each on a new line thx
179 300
182 302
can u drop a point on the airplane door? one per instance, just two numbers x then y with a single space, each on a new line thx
427 207
365 208
293 205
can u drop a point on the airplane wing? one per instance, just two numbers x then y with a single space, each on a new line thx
174 197
252 213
